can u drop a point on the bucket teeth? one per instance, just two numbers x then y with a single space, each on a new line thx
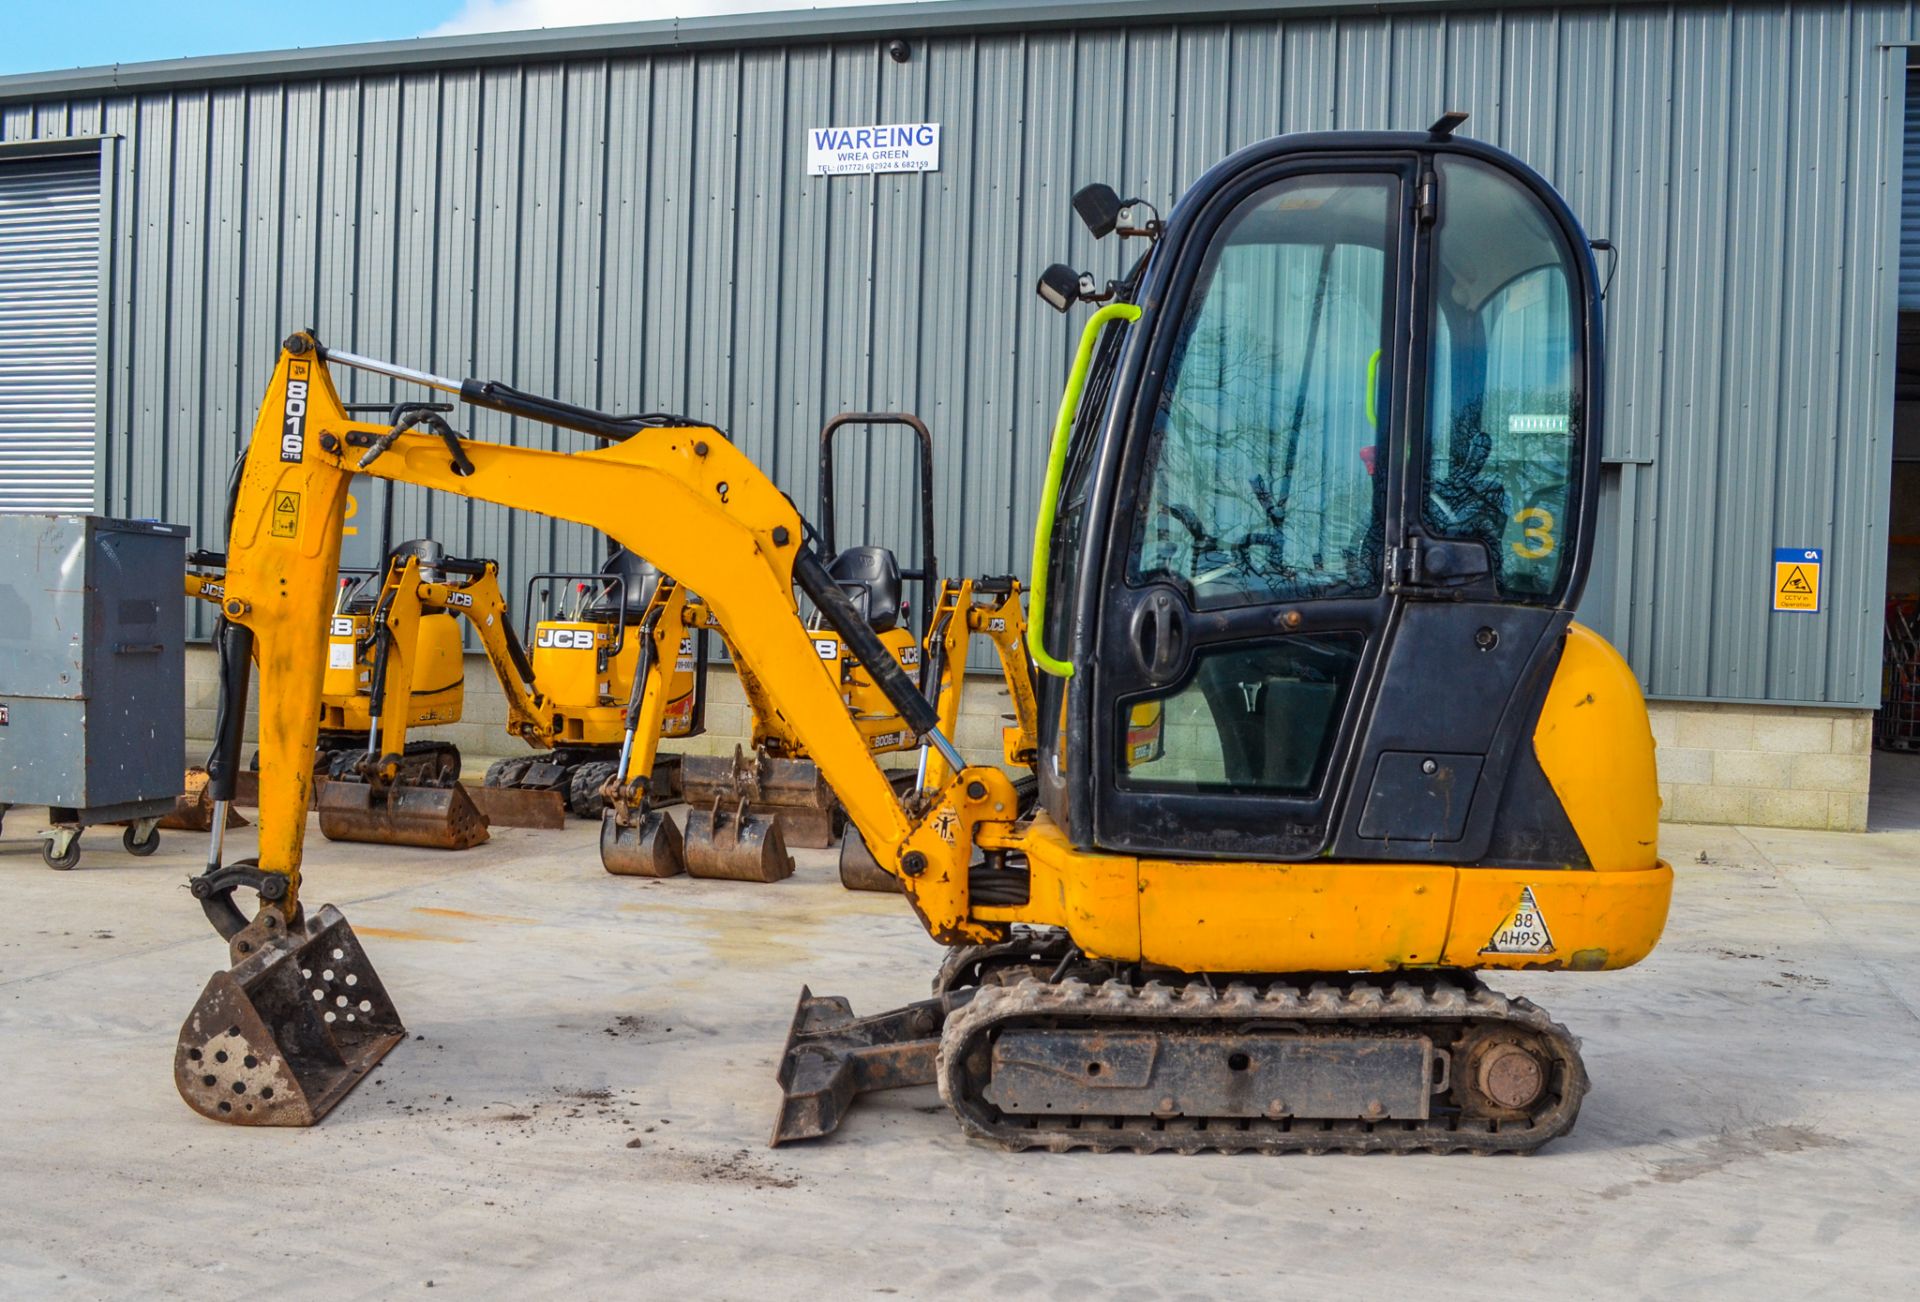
736 844
282 1036
647 846
437 818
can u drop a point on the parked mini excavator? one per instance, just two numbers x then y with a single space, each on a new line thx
585 654
770 789
1334 440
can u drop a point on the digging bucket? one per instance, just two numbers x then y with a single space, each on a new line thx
283 1035
788 790
646 846
436 818
736 844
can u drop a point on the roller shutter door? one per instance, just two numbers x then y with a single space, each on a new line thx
49 331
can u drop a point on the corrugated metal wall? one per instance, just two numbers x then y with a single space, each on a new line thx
638 232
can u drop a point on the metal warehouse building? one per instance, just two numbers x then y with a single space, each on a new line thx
624 217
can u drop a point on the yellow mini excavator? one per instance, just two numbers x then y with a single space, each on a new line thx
1333 440
585 652
750 805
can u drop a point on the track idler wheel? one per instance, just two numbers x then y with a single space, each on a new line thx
435 818
281 1037
646 845
735 844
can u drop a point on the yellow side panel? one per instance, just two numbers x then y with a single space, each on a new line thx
1595 745
1095 897
566 664
1228 917
439 672
1593 921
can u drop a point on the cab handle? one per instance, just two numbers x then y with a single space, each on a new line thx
1159 634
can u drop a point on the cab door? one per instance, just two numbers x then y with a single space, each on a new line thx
1329 580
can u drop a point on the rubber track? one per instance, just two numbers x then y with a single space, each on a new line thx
1445 1009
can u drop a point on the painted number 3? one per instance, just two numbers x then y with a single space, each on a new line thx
1537 527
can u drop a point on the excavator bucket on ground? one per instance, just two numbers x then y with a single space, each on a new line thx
436 818
646 844
859 870
283 1035
545 810
193 807
790 792
733 842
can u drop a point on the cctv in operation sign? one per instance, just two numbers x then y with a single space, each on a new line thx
862 151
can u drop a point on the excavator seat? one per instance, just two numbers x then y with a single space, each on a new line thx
642 579
871 577
429 553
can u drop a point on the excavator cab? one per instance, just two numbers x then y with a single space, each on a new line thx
1318 512
1330 519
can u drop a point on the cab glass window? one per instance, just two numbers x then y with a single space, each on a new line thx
1503 424
1260 481
1258 716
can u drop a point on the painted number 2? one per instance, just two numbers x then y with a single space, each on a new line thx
1537 527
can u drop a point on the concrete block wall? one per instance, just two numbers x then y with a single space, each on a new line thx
1768 766
1763 765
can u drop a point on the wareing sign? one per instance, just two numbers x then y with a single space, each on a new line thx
859 151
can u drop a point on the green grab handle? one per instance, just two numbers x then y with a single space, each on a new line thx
1373 389
1056 471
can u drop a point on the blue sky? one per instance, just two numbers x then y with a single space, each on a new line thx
39 36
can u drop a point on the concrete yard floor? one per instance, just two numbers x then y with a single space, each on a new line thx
583 1109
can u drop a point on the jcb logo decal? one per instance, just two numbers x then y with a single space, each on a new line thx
343 628
565 639
996 625
460 599
910 656
826 648
293 435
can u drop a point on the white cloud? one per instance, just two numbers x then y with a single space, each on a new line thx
525 15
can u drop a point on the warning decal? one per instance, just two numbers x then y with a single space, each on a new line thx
1523 930
1796 578
286 515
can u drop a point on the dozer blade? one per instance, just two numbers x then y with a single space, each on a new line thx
649 846
735 844
832 1057
437 818
193 807
520 807
790 791
282 1036
859 870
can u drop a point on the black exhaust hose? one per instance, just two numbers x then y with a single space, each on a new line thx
860 639
235 642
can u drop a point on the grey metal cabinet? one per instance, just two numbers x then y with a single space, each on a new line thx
92 666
